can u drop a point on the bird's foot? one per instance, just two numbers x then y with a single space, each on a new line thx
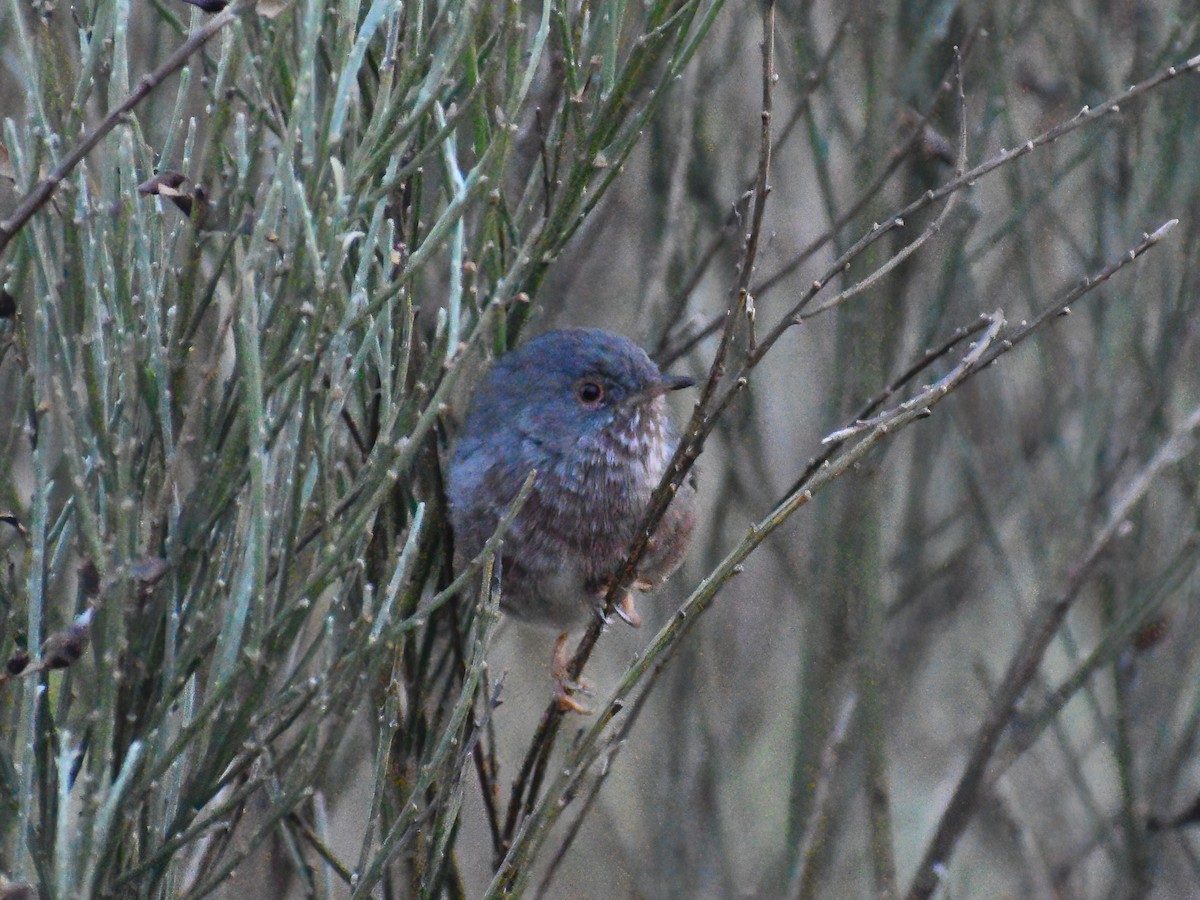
565 687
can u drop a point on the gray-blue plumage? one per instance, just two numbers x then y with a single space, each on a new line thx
585 408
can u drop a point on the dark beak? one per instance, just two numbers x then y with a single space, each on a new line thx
665 383
676 382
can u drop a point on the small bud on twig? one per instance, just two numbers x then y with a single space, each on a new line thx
66 647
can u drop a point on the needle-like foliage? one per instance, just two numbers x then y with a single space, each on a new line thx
253 257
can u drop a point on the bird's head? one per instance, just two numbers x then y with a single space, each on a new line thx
579 390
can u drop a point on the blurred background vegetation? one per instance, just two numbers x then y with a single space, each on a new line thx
234 343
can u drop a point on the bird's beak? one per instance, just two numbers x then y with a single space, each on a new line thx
665 383
676 382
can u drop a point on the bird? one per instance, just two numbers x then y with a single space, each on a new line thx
586 409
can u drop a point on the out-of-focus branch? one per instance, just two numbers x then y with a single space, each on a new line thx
1028 657
802 884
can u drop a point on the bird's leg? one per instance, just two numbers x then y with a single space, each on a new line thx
565 687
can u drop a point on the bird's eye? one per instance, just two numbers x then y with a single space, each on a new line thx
590 393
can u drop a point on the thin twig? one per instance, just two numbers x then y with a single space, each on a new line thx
1028 657
532 773
1025 329
927 359
819 816
667 354
762 185
40 195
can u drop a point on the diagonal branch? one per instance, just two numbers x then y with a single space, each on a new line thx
41 193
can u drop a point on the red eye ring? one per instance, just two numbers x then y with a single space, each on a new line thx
590 393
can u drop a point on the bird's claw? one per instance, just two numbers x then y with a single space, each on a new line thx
627 610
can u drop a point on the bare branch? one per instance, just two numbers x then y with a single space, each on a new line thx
1028 657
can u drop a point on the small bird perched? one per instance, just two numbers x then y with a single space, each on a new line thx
585 408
